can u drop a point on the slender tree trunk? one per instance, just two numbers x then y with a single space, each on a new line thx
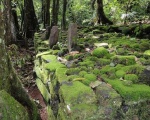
64 14
46 12
101 15
30 19
55 11
8 22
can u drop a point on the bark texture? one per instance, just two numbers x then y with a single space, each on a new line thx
101 15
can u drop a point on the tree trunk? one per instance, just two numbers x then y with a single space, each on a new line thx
64 14
9 80
9 24
30 19
46 12
101 15
55 11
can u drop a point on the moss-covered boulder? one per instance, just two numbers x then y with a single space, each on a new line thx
78 101
125 60
89 78
109 101
100 52
147 52
52 62
120 73
131 77
10 109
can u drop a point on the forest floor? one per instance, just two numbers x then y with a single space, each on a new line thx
23 62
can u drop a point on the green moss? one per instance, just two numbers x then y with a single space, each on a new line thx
103 61
144 45
107 69
89 78
92 58
100 52
54 65
82 73
131 77
120 73
125 60
133 69
50 113
73 77
73 71
69 57
10 109
121 51
49 58
147 52
127 83
61 74
134 93
45 93
135 46
96 71
87 63
76 93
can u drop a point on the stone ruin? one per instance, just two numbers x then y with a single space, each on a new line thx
54 35
72 36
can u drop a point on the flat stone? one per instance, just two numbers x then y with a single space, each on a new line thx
101 44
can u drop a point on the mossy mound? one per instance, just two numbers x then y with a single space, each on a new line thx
147 52
120 73
135 92
52 62
100 52
125 60
10 109
131 77
89 78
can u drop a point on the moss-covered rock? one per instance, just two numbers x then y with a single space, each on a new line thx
144 46
73 71
131 77
103 61
109 101
89 78
100 52
43 89
135 93
125 60
133 69
77 93
147 52
120 73
60 75
10 109
52 66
